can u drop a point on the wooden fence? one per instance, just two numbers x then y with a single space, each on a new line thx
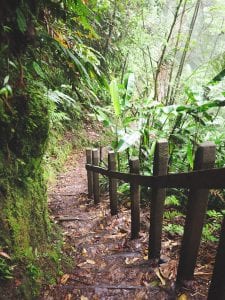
203 178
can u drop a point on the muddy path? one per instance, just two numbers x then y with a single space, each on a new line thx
107 264
104 262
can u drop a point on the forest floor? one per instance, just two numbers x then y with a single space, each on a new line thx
105 262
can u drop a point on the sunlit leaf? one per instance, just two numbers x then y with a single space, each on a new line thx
130 85
6 80
90 261
158 274
113 87
182 297
84 252
190 157
128 140
38 70
127 120
64 278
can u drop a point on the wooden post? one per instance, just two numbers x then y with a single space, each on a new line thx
135 199
157 200
217 287
196 211
96 190
89 173
112 183
101 153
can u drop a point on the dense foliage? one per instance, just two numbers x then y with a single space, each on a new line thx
50 75
139 67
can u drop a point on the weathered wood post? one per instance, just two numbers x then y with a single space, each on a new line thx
217 287
89 173
135 199
112 183
101 153
160 167
196 211
96 190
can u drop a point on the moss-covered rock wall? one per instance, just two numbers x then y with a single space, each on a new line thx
25 229
24 126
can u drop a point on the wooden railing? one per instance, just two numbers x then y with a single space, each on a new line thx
203 178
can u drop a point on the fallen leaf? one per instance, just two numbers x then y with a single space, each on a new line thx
18 282
3 254
169 269
157 272
68 297
113 236
102 265
140 295
154 283
129 261
90 261
101 214
123 230
203 273
146 284
82 264
84 252
66 233
128 204
64 278
182 297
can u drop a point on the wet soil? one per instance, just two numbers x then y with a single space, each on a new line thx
105 262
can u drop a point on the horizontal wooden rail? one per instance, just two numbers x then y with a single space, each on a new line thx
201 179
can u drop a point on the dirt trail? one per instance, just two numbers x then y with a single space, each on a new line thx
105 262
108 265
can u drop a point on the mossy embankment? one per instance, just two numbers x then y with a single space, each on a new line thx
27 236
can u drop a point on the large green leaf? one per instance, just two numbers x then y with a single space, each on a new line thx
77 62
102 117
128 140
114 92
38 70
190 155
21 20
129 85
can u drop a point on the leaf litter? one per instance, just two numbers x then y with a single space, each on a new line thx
106 264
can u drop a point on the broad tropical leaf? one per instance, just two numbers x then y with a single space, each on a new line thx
21 20
114 92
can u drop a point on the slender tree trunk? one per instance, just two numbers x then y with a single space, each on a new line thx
146 72
162 56
175 53
151 63
148 49
111 26
183 57
124 67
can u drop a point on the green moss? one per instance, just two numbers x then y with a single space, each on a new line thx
25 229
26 217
